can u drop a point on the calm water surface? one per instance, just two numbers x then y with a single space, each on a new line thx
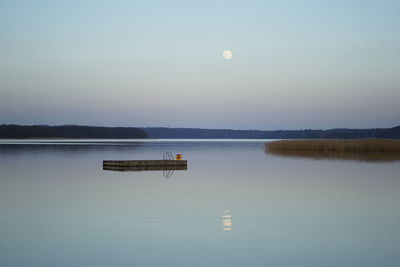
235 206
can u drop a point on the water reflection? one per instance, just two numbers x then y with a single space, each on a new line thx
357 156
145 168
60 208
167 170
227 220
167 173
10 149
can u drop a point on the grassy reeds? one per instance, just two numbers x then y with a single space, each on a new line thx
359 149
352 145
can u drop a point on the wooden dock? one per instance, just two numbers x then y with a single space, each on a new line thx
144 165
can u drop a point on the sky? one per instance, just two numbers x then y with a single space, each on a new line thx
295 64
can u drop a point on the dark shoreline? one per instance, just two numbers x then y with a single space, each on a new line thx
94 132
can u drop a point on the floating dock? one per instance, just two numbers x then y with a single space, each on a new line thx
144 165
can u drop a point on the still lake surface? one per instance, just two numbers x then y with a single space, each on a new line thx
235 205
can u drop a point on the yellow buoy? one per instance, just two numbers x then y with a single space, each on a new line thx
179 156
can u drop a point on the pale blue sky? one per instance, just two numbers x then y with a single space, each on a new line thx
296 64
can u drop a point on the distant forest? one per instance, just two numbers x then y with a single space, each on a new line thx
69 131
277 134
75 131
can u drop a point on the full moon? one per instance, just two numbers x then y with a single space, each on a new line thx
227 54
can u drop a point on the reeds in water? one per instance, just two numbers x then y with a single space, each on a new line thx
352 145
358 149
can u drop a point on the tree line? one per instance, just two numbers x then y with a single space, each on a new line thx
70 131
164 132
77 131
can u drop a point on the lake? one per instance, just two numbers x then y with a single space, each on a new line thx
235 205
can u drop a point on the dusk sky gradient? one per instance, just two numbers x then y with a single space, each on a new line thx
295 65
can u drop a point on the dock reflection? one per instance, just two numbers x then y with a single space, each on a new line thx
144 168
167 170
